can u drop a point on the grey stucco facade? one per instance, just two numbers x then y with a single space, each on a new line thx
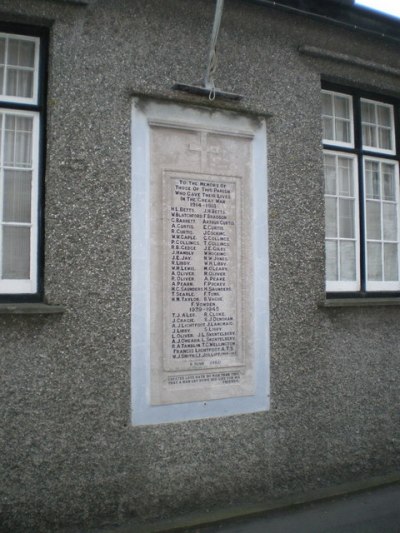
68 452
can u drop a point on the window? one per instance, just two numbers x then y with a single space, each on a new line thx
361 169
21 161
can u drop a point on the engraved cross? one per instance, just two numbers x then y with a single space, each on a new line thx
203 149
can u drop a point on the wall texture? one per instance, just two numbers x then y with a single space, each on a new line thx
68 454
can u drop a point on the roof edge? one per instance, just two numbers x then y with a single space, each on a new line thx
343 13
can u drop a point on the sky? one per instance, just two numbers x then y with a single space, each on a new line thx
391 7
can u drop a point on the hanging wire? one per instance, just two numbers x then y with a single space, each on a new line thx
212 57
206 86
212 70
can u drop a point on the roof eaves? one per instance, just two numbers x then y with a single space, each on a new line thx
343 13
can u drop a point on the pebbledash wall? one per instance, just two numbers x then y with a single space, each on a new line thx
69 453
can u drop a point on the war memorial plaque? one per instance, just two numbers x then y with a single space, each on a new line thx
202 288
200 318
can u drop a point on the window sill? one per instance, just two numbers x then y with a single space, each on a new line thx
360 302
38 308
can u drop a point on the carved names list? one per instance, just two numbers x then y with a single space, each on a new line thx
204 284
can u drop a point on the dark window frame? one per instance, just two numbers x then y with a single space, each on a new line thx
359 152
40 107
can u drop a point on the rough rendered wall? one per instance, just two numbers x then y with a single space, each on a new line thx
68 453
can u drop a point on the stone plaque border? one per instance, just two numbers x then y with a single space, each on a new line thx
146 112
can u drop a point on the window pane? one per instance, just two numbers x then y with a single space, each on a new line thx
347 261
374 220
13 52
327 125
346 218
336 117
342 130
2 50
369 135
385 139
330 174
26 57
391 262
377 125
25 84
331 261
9 142
27 54
18 141
342 108
389 222
327 104
17 67
368 112
330 217
384 116
23 151
345 169
13 46
374 261
16 253
372 180
9 122
388 174
12 82
23 123
19 83
21 53
17 196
